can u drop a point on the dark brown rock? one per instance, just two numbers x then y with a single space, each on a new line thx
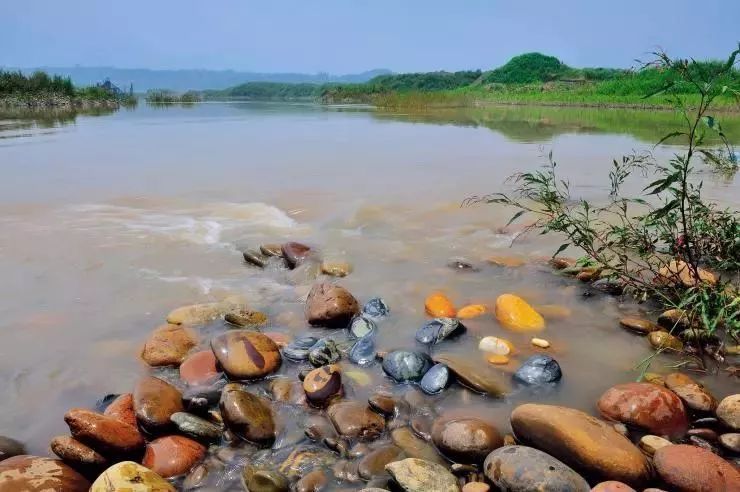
322 384
10 447
383 404
330 305
246 415
465 440
104 434
76 454
155 401
25 473
313 481
476 376
413 446
373 464
638 325
691 469
645 405
246 354
171 456
295 253
355 419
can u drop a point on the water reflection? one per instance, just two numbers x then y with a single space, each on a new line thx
14 119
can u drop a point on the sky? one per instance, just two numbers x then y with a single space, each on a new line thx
356 35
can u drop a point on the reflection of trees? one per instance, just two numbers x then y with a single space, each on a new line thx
18 118
530 123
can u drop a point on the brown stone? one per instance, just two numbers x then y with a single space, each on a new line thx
663 340
76 454
295 253
336 268
155 401
638 325
476 376
313 481
168 345
383 404
465 440
728 411
355 419
612 486
330 305
413 446
122 408
645 405
678 272
691 469
246 318
588 445
106 435
373 464
676 320
650 444
246 355
199 368
476 487
416 475
693 394
322 384
171 456
246 415
25 473
286 390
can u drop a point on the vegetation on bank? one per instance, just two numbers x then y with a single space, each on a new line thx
266 91
41 89
669 245
163 96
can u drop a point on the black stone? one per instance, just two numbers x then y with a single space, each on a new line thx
439 329
324 352
405 365
363 351
462 265
254 258
436 379
196 427
538 369
298 349
376 308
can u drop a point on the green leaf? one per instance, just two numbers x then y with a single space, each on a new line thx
670 135
561 248
516 216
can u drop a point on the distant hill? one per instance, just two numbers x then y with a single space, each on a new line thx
191 79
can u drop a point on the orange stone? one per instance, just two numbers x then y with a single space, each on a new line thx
199 368
514 313
506 261
171 456
122 408
471 311
498 359
439 306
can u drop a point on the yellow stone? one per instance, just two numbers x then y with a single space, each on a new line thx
128 476
514 313
497 359
540 342
506 261
439 306
471 311
677 271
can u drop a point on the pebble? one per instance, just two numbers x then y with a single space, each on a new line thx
331 306
435 380
471 311
373 464
355 419
256 479
675 320
271 250
638 325
465 440
730 441
662 339
362 326
415 447
648 406
295 253
404 365
497 360
246 415
439 305
650 444
495 345
538 369
694 395
521 468
383 404
76 454
363 351
690 468
438 330
171 456
416 475
540 342
612 486
336 268
245 354
305 458
579 440
199 368
10 447
324 352
254 258
376 309
246 318
506 261
25 473
154 402
514 313
297 350
287 390
322 384
106 435
196 427
168 345
470 373
199 314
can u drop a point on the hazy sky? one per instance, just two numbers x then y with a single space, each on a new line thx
356 35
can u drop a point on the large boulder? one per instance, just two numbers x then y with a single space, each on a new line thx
521 468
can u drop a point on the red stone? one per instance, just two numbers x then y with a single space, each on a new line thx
648 406
171 456
199 368
122 408
104 434
691 469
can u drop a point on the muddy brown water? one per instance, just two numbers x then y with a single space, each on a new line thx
108 222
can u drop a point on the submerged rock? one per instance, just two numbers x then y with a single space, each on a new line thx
405 365
255 258
196 427
664 340
356 419
495 345
325 351
436 379
295 253
375 309
415 447
246 318
362 326
538 369
521 468
246 415
373 464
474 375
638 325
297 350
336 268
462 265
257 479
465 440
439 329
514 313
199 314
363 351
331 306
415 475
471 311
245 354
439 306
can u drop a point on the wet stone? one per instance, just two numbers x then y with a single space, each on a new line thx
362 326
168 345
313 481
417 475
465 440
363 351
683 467
331 306
521 468
375 309
324 352
414 446
245 354
104 434
172 456
674 320
246 318
196 427
10 447
355 419
295 253
199 368
694 395
246 415
436 379
154 403
473 375
373 464
76 454
264 480
304 459
664 340
439 329
608 286
383 404
36 474
404 365
271 250
336 268
462 265
704 444
254 258
422 426
297 350
537 370
638 325
322 384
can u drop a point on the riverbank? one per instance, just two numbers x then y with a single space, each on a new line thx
45 102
